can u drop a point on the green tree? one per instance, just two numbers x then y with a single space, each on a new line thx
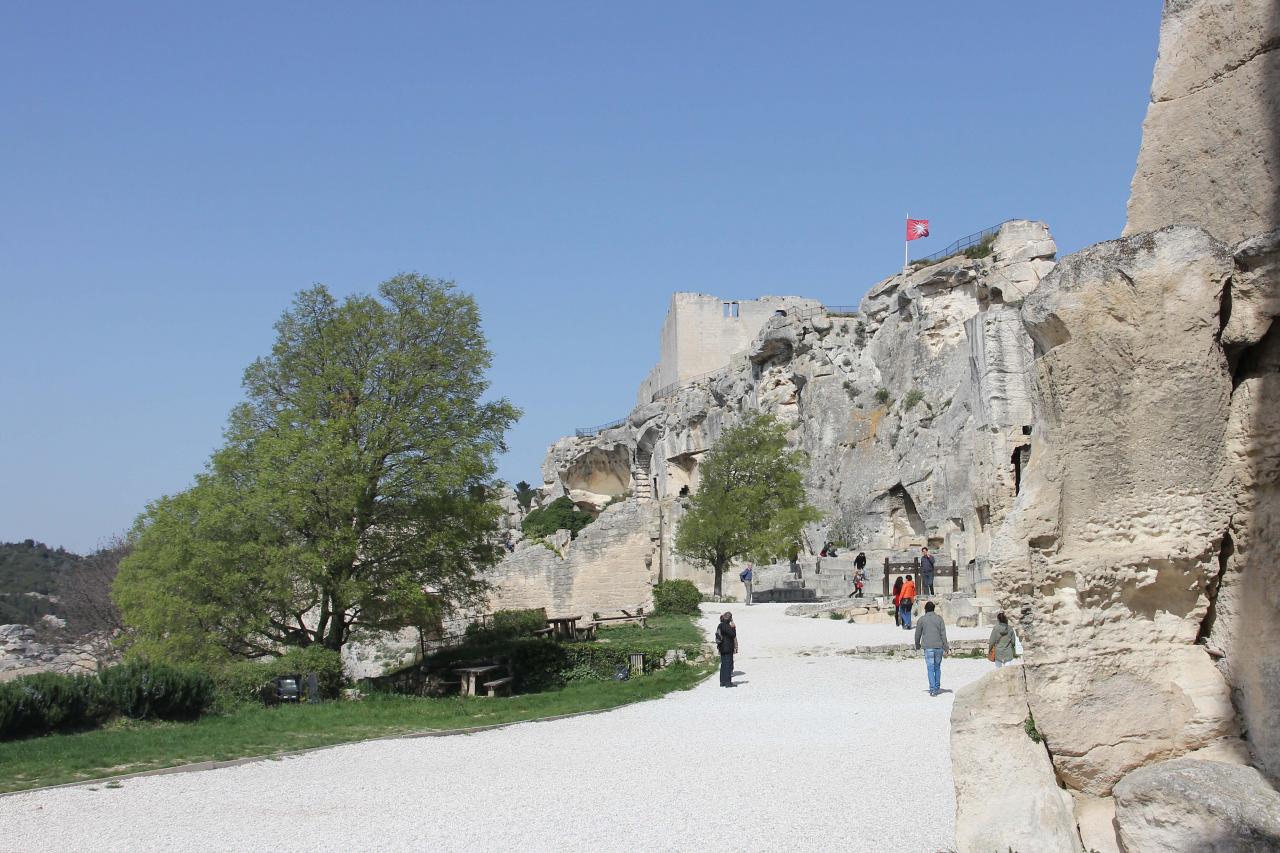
524 495
353 491
750 501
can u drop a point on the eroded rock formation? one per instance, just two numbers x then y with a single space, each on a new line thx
914 409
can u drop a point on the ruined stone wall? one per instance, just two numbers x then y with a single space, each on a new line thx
702 332
610 566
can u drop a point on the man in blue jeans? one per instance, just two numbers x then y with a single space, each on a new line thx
931 635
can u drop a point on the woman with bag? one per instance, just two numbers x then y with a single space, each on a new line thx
897 600
1000 646
727 646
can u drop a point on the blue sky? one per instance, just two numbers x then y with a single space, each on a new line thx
170 174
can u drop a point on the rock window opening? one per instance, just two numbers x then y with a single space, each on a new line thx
731 310
1021 455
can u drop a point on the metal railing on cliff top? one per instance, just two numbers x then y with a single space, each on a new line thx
960 245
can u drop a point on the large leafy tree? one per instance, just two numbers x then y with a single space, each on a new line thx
353 491
750 501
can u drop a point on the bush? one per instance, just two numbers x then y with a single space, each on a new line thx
244 681
560 514
50 702
915 395
509 624
146 691
677 596
882 395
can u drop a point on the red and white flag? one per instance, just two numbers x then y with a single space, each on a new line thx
917 228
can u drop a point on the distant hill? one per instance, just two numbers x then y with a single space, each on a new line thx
30 567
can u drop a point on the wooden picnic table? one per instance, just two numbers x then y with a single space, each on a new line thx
564 626
471 677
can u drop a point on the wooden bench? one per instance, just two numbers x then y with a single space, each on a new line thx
503 685
622 620
586 631
543 632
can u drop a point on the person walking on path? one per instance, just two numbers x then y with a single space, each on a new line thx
906 600
927 568
897 602
1001 645
727 646
931 635
859 579
745 576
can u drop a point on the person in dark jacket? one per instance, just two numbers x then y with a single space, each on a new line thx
927 568
727 646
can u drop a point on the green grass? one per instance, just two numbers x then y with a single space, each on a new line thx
673 632
129 747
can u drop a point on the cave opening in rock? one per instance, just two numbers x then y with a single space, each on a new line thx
1019 458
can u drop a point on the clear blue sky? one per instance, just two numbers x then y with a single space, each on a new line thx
170 174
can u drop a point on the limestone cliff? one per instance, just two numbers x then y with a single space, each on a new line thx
914 408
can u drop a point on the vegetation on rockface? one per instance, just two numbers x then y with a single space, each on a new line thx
353 492
882 395
1029 726
560 514
128 747
676 597
751 499
912 397
524 495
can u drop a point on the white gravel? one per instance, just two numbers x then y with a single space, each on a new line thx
815 751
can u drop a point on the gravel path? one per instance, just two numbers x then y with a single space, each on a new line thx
814 750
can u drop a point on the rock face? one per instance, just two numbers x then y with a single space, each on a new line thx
914 410
1114 545
1006 795
1211 140
1188 806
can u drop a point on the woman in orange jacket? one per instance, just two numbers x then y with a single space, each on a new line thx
906 599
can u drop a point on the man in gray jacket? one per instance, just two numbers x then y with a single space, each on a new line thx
931 634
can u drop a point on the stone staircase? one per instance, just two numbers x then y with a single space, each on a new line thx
642 489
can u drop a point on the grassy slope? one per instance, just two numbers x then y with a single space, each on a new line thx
129 747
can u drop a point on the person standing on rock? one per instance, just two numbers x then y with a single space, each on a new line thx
727 646
897 602
927 568
745 576
906 600
1001 644
931 635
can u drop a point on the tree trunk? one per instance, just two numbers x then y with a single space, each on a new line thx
717 590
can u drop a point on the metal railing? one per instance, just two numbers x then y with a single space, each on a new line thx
671 388
960 245
587 432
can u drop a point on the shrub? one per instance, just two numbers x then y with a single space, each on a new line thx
882 395
49 702
834 616
560 514
507 625
145 691
676 596
244 681
915 395
851 390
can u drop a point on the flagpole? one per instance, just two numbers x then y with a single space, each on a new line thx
905 244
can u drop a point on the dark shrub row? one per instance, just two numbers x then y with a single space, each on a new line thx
50 702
